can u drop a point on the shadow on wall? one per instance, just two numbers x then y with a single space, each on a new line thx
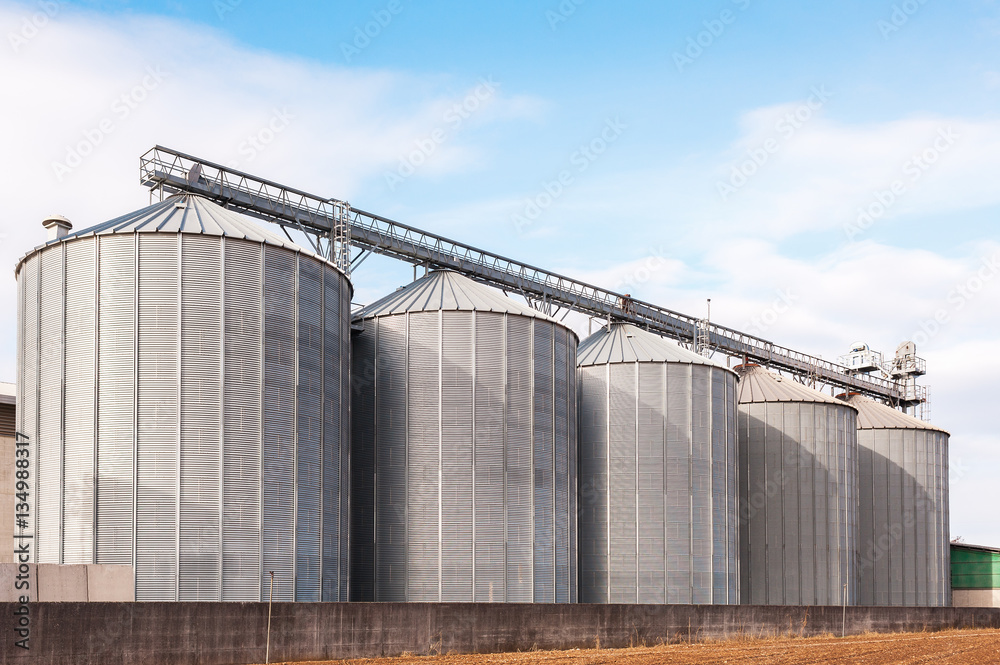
794 548
903 550
899 544
463 479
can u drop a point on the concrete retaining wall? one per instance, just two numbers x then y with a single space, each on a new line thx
229 633
56 583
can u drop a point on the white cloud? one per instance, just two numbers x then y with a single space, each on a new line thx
882 295
112 87
818 178
349 126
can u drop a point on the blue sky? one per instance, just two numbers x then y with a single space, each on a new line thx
838 103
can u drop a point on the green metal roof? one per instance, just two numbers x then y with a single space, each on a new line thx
974 567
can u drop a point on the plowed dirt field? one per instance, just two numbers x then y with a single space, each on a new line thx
954 647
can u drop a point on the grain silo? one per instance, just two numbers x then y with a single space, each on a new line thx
798 493
184 376
464 448
903 531
658 494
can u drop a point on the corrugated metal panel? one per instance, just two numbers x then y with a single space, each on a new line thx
903 517
798 526
732 490
573 468
27 382
701 485
116 400
651 470
164 383
760 385
593 452
278 463
721 462
343 406
391 458
444 290
81 401
309 440
489 457
423 457
201 418
363 464
457 470
626 343
157 412
747 508
519 355
336 436
622 460
679 501
470 422
562 395
49 446
191 215
543 461
241 432
874 415
658 483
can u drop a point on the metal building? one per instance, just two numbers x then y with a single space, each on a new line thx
183 378
658 494
975 575
464 448
798 493
903 529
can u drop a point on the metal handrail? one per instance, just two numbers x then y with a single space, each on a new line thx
173 171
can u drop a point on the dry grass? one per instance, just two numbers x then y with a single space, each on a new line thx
951 647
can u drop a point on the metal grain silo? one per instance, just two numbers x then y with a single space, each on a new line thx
464 448
903 531
185 381
658 495
798 493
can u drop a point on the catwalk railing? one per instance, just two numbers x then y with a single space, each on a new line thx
333 226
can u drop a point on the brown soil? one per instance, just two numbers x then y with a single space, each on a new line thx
953 647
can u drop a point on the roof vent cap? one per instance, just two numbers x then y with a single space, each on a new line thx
57 226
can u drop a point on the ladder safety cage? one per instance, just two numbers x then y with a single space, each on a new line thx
333 226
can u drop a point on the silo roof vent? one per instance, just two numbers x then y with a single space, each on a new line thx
57 226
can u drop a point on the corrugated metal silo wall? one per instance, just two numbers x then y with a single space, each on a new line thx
798 503
903 517
658 502
464 459
204 382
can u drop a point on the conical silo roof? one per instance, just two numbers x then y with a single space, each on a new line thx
448 291
184 213
875 415
626 343
760 385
